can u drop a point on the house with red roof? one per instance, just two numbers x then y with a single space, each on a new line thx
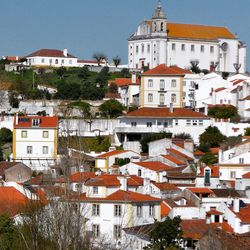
162 119
104 161
35 141
208 176
51 58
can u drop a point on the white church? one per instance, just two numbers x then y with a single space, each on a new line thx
157 41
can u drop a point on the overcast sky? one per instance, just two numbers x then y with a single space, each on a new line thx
88 26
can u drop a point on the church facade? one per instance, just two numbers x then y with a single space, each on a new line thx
157 41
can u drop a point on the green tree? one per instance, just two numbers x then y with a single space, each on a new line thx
125 73
194 67
223 111
209 159
166 234
13 99
84 73
247 131
113 88
111 108
99 57
182 136
116 60
60 72
212 137
5 136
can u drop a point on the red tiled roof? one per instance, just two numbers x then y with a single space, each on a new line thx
200 32
219 89
89 61
121 82
111 153
244 214
178 153
112 96
81 176
11 201
165 186
224 226
174 160
113 181
165 112
50 53
215 171
200 190
123 196
45 121
198 153
214 150
163 69
246 176
193 229
214 212
165 209
237 81
154 165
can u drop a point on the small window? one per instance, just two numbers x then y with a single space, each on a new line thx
45 134
29 149
137 49
148 48
96 230
211 49
150 83
139 172
50 61
162 99
95 190
173 46
173 98
192 48
117 231
162 85
56 61
188 122
35 122
45 150
184 83
200 122
165 124
176 122
173 83
183 47
202 48
149 124
70 61
43 60
117 210
62 61
195 122
139 211
133 124
24 134
150 97
232 174
95 209
151 210
241 160
184 94
142 48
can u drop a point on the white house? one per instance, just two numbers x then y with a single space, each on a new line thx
35 141
163 85
157 41
52 58
155 120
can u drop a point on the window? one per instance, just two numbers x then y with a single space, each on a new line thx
173 83
232 174
137 49
173 46
133 124
150 83
162 99
183 94
176 123
241 160
43 60
35 122
149 124
117 231
142 48
151 210
184 83
192 48
162 84
165 124
29 149
211 49
148 48
62 61
173 98
96 230
56 61
188 122
139 172
183 47
24 134
50 61
200 122
95 190
45 150
150 97
95 209
117 210
139 211
45 134
194 122
70 61
202 48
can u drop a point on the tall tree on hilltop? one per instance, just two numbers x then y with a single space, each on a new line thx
99 57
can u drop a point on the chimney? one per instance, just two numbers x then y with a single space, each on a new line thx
189 145
236 205
205 108
133 77
171 108
65 52
124 182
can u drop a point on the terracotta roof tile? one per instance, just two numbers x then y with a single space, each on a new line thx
163 69
112 96
163 186
194 229
154 165
111 153
81 176
215 171
214 212
246 176
50 53
174 160
244 214
45 121
198 153
178 153
200 190
165 209
224 226
219 89
121 82
165 112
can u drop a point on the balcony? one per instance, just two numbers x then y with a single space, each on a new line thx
141 130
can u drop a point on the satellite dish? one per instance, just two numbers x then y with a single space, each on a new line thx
224 46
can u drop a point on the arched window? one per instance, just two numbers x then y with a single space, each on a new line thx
155 26
162 26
